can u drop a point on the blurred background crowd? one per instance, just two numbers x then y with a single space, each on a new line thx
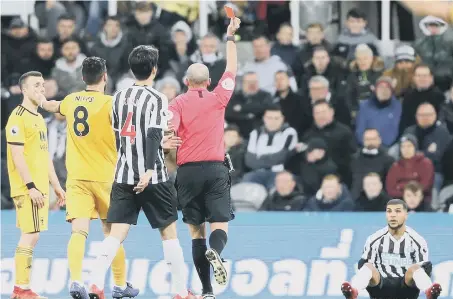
326 124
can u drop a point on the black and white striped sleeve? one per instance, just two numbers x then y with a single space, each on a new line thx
158 110
366 254
114 115
421 249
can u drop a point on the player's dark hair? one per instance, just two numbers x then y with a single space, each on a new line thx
142 60
356 14
93 69
397 201
422 65
322 102
27 75
66 17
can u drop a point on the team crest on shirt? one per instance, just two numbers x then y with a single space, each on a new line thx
228 84
14 130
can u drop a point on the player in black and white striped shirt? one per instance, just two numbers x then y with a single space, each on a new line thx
140 118
394 263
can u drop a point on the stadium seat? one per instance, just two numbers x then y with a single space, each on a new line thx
248 196
445 194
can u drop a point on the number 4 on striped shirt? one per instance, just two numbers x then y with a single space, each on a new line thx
128 129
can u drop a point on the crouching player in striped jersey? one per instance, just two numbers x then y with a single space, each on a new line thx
395 261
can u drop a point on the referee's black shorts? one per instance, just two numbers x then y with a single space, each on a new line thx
204 192
158 202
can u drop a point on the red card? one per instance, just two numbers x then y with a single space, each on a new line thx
229 12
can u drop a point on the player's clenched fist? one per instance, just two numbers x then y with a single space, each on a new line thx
36 197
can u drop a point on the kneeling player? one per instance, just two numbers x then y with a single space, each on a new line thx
395 261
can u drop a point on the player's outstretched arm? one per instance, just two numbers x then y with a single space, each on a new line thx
50 106
53 179
17 153
441 9
231 50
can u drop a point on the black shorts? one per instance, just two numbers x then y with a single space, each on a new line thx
393 288
204 192
158 202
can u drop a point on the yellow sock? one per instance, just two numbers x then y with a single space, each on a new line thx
76 252
23 260
119 267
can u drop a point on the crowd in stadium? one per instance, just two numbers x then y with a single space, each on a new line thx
325 126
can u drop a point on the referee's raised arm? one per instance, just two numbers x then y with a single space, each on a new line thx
231 50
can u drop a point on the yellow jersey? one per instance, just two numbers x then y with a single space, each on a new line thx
90 144
28 129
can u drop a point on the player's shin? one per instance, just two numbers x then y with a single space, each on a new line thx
361 280
76 252
109 249
174 257
23 262
218 240
202 264
119 268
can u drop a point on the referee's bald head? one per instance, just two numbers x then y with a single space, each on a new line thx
198 75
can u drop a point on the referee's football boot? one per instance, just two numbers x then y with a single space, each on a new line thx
348 291
208 296
128 292
220 273
434 291
78 291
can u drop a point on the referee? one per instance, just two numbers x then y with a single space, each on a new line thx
203 179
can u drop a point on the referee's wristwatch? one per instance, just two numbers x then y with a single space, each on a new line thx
231 38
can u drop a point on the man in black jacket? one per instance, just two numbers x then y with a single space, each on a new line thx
339 138
288 195
373 197
424 91
371 158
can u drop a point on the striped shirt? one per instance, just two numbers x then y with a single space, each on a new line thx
136 109
393 257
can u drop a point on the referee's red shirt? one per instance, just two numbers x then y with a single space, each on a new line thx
199 117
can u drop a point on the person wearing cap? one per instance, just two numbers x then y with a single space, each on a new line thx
412 166
435 49
381 111
403 70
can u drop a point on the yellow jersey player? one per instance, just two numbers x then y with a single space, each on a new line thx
441 9
30 170
90 161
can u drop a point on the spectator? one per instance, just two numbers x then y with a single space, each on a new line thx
48 13
447 165
43 60
332 197
371 158
287 195
209 55
315 166
413 196
365 70
269 148
423 91
436 50
315 38
382 112
339 138
446 112
143 29
113 45
235 147
355 34
321 64
169 86
246 107
433 139
318 87
183 47
265 65
403 71
284 47
66 29
289 101
412 166
18 45
373 198
68 69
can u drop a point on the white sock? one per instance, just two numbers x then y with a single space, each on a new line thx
421 279
108 251
174 257
361 280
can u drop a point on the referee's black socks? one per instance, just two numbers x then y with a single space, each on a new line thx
218 240
202 264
